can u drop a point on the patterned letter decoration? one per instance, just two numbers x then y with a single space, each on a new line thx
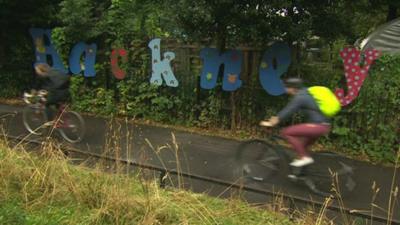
354 73
90 59
161 68
43 49
116 70
212 61
270 76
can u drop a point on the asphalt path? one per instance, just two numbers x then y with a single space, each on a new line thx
213 157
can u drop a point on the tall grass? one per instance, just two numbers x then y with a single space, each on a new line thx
47 189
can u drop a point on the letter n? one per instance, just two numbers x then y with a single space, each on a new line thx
212 60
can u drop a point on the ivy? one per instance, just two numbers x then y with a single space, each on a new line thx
96 100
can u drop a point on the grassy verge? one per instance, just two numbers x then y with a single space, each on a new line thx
46 189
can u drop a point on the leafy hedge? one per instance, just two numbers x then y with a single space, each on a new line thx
371 125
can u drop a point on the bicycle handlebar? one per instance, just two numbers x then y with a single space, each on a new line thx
266 124
41 95
269 129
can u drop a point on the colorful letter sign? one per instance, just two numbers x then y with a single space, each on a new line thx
89 52
274 63
161 69
44 49
116 70
354 73
212 61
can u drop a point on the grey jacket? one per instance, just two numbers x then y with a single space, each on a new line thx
54 81
305 103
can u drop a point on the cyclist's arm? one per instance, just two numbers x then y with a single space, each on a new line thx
294 105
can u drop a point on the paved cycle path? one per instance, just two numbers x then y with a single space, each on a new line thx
210 157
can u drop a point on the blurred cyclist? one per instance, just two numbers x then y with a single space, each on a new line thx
301 136
56 83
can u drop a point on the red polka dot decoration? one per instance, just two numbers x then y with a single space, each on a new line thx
355 73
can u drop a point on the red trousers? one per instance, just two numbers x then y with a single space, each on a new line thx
301 136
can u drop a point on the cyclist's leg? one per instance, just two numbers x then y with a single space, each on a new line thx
63 97
301 136
51 101
313 131
293 135
55 99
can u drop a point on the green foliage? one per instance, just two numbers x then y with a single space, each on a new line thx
128 20
80 19
371 124
146 101
91 99
225 23
16 49
13 84
211 111
11 213
258 22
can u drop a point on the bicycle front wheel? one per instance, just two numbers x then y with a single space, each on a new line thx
332 177
34 119
72 126
258 160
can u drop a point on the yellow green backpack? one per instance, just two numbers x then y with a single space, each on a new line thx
326 100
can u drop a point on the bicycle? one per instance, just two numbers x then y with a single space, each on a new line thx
69 124
261 160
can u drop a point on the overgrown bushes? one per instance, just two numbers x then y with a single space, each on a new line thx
371 125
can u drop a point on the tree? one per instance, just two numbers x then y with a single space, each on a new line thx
224 22
15 21
390 7
16 48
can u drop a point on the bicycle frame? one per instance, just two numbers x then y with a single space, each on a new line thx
40 103
59 122
66 122
310 175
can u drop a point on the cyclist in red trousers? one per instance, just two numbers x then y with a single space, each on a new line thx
301 136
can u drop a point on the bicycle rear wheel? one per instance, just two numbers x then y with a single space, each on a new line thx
34 119
72 126
258 160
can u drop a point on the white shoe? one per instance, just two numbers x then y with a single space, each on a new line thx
304 161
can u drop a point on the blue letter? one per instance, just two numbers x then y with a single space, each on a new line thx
42 50
270 76
212 60
89 60
161 67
